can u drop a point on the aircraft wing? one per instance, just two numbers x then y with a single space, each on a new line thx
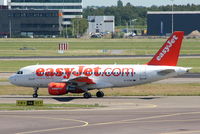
166 71
79 81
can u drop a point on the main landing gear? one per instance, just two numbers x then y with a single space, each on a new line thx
99 94
87 95
35 95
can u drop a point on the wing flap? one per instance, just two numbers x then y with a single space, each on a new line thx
79 81
84 79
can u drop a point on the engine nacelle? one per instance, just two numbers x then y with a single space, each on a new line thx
57 88
62 88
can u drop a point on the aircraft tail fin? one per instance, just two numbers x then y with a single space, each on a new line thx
169 52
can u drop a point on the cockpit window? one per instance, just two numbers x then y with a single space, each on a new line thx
20 72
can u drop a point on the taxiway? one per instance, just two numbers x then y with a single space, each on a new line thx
122 115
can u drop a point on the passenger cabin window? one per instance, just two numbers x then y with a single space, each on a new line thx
20 72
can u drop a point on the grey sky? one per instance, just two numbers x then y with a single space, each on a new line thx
138 2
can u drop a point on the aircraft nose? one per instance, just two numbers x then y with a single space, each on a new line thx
12 79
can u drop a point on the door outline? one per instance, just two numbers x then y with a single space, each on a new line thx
143 75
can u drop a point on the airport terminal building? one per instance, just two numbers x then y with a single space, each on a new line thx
37 17
30 23
161 23
70 8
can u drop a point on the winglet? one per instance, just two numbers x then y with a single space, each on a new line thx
169 52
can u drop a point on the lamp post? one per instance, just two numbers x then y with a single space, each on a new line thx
172 16
66 31
127 27
133 23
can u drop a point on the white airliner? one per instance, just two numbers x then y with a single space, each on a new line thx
62 79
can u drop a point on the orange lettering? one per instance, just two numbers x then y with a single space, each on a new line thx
96 71
68 72
88 71
49 72
79 72
116 71
59 71
40 72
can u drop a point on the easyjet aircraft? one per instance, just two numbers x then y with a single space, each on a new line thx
63 79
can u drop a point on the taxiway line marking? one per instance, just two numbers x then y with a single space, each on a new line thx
52 129
109 123
143 118
190 120
187 132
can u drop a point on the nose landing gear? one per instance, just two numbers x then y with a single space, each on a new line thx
35 95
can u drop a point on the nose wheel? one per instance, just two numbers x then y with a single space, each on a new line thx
99 94
35 95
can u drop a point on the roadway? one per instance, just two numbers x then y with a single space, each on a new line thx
122 115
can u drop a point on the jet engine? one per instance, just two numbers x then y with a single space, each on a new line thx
57 88
63 88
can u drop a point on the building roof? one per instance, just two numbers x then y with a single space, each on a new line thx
174 12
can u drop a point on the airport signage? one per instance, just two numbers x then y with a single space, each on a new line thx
29 102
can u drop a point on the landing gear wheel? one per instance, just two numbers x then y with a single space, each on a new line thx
99 94
87 95
35 95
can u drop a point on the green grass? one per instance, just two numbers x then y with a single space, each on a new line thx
3 80
14 65
187 89
48 47
45 107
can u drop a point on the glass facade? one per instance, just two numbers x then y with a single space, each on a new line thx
32 14
46 7
69 8
48 1
67 19
72 13
39 26
30 23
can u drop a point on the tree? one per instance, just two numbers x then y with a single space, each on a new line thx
79 26
128 4
119 3
123 14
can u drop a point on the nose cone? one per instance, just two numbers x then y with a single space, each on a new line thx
12 79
